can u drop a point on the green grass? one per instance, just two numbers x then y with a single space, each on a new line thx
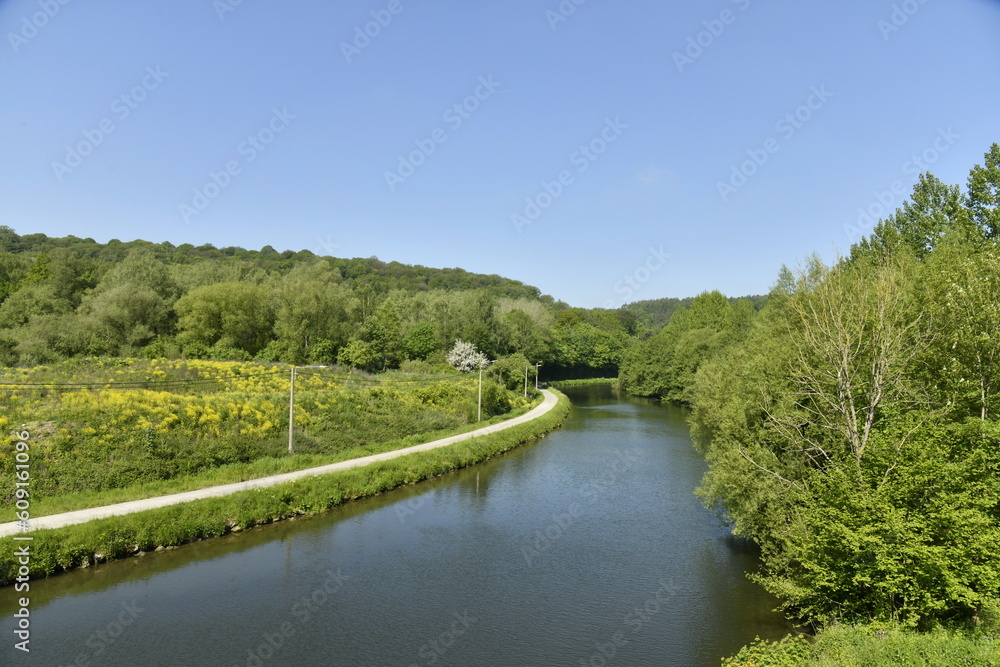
110 438
62 549
240 472
842 646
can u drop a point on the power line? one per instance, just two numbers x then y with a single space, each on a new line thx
341 380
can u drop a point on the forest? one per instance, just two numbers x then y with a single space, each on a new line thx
62 298
852 424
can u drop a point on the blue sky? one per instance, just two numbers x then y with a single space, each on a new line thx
585 154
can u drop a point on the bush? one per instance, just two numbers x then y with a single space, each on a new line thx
788 652
511 369
496 400
273 351
226 353
323 352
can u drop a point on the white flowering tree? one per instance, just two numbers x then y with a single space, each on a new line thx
465 357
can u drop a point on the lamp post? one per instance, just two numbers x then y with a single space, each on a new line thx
479 415
526 381
291 406
536 375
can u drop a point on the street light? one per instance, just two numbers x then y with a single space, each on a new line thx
536 375
479 416
291 406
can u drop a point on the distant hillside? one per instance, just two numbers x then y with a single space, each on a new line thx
654 314
381 276
63 298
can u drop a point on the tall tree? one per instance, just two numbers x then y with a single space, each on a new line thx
984 193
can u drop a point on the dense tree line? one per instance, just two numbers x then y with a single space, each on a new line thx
852 427
654 314
67 297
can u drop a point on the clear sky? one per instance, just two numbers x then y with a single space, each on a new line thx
617 120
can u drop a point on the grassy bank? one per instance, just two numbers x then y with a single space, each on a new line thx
240 472
106 430
53 551
870 647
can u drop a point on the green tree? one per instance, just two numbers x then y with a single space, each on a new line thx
984 193
421 342
358 354
234 315
961 295
920 223
312 306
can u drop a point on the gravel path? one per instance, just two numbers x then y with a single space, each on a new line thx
82 516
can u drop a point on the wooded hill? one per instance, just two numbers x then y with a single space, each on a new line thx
69 297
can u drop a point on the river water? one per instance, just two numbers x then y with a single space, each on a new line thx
585 548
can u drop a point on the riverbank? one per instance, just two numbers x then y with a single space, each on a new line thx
232 473
859 646
56 550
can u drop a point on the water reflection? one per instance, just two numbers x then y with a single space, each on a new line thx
587 543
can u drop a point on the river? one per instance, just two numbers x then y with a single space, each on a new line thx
585 548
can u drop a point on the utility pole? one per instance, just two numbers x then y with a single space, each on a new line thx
479 416
291 407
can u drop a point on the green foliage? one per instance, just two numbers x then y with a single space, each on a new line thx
496 400
588 350
358 354
791 651
510 372
312 306
66 297
871 646
984 193
850 427
664 365
236 315
421 342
